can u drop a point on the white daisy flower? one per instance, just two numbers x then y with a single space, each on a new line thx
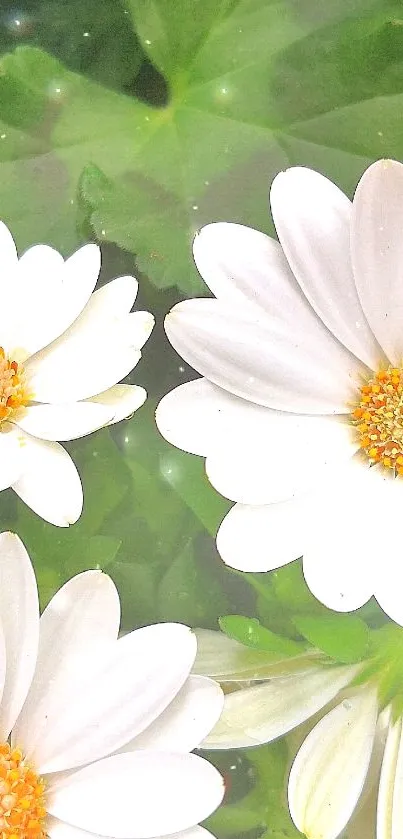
300 413
96 732
353 754
62 350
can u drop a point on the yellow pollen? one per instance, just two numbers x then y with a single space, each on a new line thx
22 803
13 394
378 419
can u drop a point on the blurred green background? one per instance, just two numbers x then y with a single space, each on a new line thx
133 123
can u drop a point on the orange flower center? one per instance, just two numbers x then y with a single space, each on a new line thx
22 810
12 386
378 418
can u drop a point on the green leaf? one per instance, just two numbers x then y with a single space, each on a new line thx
265 805
234 820
90 38
105 477
147 177
352 73
155 174
185 473
250 632
137 585
291 589
173 34
96 552
344 638
189 593
342 63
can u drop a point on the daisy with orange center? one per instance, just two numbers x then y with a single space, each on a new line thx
299 412
50 320
95 730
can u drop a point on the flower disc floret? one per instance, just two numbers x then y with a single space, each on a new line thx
378 418
22 810
12 386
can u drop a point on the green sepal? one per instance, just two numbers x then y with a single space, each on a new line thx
251 633
344 638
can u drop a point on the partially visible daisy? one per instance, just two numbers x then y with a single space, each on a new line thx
62 351
95 731
355 749
300 413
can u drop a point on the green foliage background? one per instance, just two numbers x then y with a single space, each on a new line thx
133 123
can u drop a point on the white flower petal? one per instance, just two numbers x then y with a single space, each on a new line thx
139 328
132 682
242 265
263 538
279 457
49 482
186 721
111 304
138 795
37 263
64 422
53 292
190 416
11 457
79 277
390 798
57 829
81 621
3 662
312 218
8 254
227 660
89 358
46 296
262 358
260 714
124 400
254 455
30 303
80 365
377 252
196 832
19 609
329 771
116 297
342 546
101 347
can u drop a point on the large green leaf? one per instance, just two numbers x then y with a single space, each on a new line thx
344 638
249 631
188 593
253 85
156 174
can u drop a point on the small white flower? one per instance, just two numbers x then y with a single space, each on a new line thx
300 415
96 731
62 350
353 753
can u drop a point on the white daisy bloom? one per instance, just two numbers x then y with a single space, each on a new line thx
300 413
62 350
96 731
352 754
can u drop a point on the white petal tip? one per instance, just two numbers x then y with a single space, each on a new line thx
144 325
